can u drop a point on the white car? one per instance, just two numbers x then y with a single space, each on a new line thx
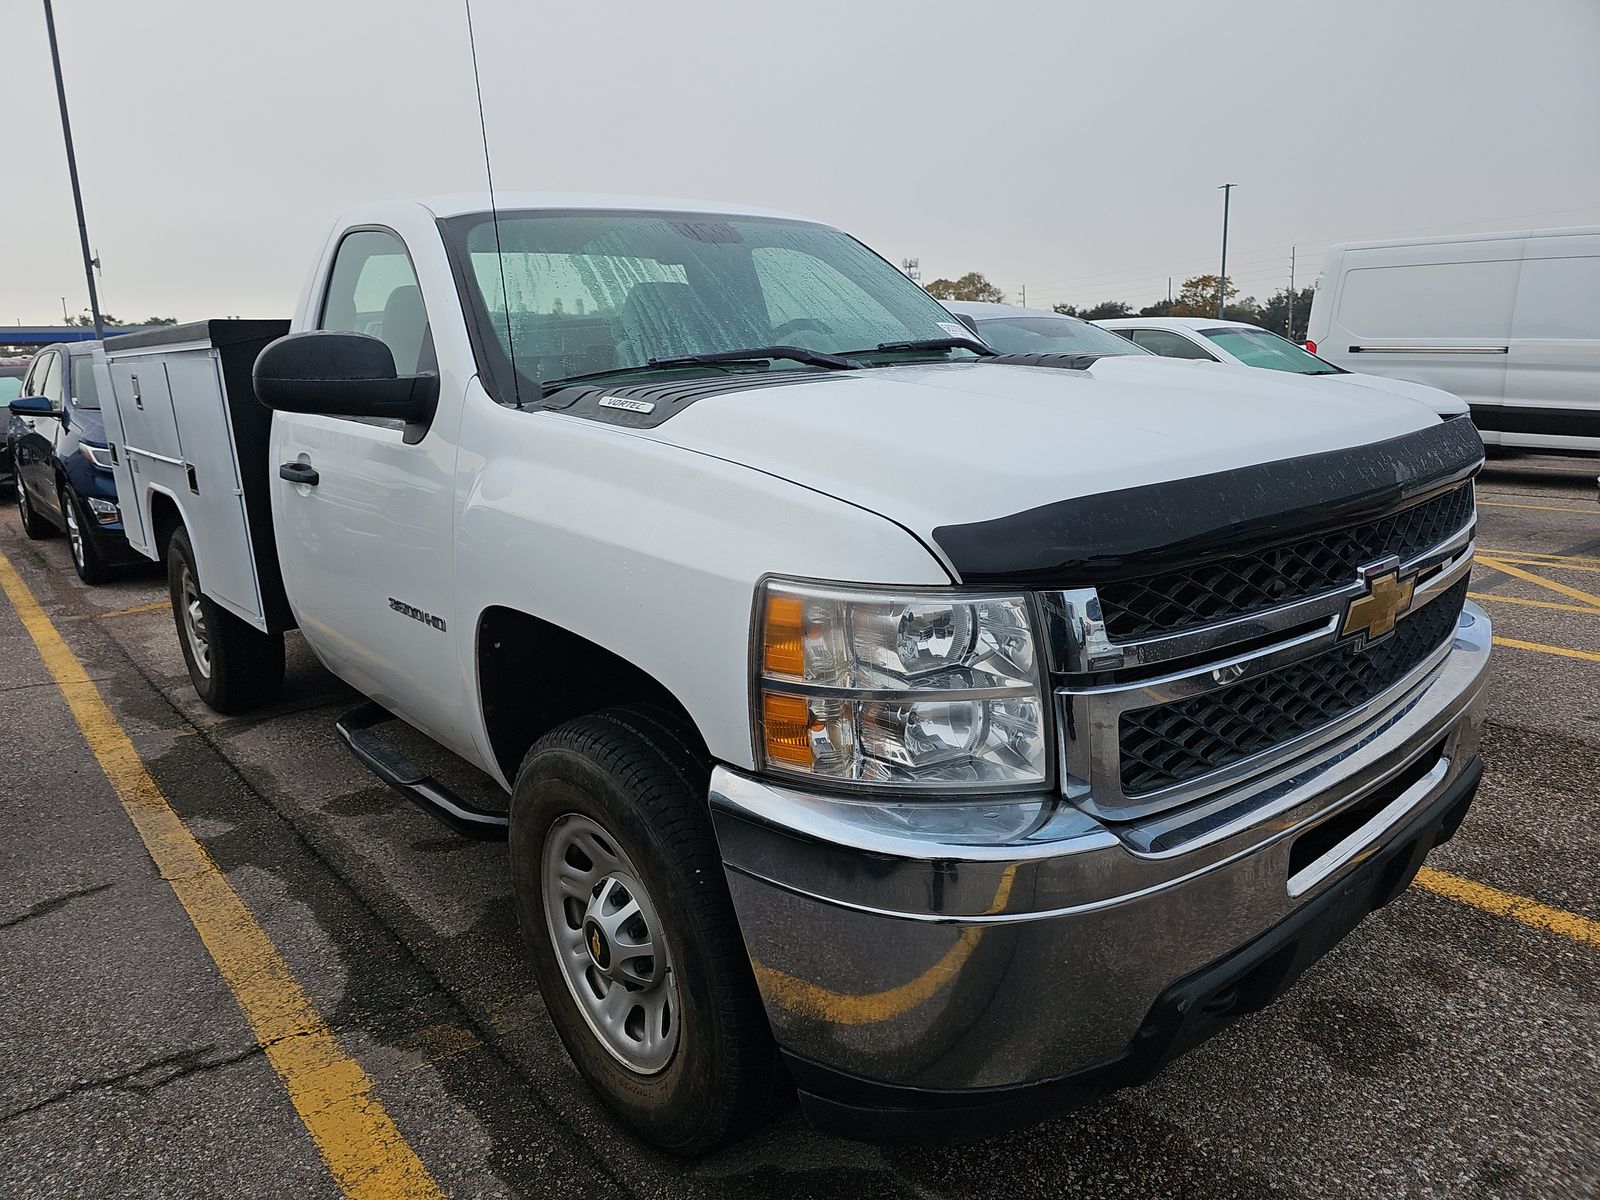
1206 339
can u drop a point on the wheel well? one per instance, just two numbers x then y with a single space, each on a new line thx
533 676
164 521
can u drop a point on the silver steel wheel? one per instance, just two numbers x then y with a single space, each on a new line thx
74 534
22 500
194 622
610 944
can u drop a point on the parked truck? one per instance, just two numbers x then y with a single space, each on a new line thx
956 738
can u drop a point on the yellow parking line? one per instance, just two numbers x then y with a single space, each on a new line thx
365 1151
1582 568
1565 589
1555 604
1539 554
1509 904
142 608
1540 507
1563 651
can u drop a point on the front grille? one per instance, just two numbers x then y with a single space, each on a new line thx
1219 590
1174 743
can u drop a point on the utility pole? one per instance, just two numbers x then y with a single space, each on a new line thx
72 170
1169 291
1222 279
1289 332
1024 295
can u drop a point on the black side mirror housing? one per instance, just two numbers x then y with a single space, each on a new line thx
337 374
31 406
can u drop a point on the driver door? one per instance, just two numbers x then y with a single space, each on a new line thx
368 549
36 436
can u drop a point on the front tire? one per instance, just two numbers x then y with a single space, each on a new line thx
620 893
87 560
232 666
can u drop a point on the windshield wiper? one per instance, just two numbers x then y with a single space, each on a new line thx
799 354
712 359
973 343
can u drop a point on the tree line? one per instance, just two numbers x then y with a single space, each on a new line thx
1282 312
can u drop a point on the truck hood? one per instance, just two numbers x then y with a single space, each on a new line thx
933 445
1443 403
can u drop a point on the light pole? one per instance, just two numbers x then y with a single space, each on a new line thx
1222 279
72 170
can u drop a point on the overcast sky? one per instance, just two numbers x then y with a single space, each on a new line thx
1073 148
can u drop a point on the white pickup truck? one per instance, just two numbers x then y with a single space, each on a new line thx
957 735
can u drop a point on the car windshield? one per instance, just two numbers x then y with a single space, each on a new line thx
1052 335
1263 348
84 392
589 293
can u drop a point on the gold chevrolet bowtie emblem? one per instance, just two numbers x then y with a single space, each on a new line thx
1387 599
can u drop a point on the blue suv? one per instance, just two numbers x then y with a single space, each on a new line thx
57 439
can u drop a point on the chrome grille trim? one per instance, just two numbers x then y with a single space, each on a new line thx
1089 713
1077 643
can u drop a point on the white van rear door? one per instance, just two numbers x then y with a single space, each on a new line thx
1552 395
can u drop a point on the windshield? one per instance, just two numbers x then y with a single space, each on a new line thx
594 292
1052 335
1262 348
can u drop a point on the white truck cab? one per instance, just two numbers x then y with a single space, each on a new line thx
957 737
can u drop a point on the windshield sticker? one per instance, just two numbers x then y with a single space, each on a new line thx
957 330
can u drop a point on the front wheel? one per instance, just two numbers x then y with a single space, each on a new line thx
86 557
621 897
232 666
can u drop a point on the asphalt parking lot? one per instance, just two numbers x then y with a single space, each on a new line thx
1448 1048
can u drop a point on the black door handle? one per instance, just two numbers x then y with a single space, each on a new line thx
299 472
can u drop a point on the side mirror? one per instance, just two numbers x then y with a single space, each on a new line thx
968 322
31 406
338 374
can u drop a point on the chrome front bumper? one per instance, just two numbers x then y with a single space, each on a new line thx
984 944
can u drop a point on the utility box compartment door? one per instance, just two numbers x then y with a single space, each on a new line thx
212 500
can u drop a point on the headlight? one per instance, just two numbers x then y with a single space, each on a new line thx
915 690
105 511
100 456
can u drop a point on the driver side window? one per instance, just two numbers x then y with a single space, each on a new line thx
48 382
372 289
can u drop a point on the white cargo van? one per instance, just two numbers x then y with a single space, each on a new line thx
1510 322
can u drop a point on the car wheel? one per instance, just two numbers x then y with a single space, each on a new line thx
233 666
86 557
620 893
34 524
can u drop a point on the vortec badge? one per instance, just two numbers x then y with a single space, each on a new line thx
627 405
1387 600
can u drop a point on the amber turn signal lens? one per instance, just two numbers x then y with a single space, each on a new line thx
783 639
786 725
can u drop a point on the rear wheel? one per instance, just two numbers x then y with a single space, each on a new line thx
621 896
232 666
34 524
86 557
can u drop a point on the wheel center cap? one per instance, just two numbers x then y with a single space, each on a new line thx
599 948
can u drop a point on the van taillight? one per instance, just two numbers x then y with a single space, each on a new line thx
1311 346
